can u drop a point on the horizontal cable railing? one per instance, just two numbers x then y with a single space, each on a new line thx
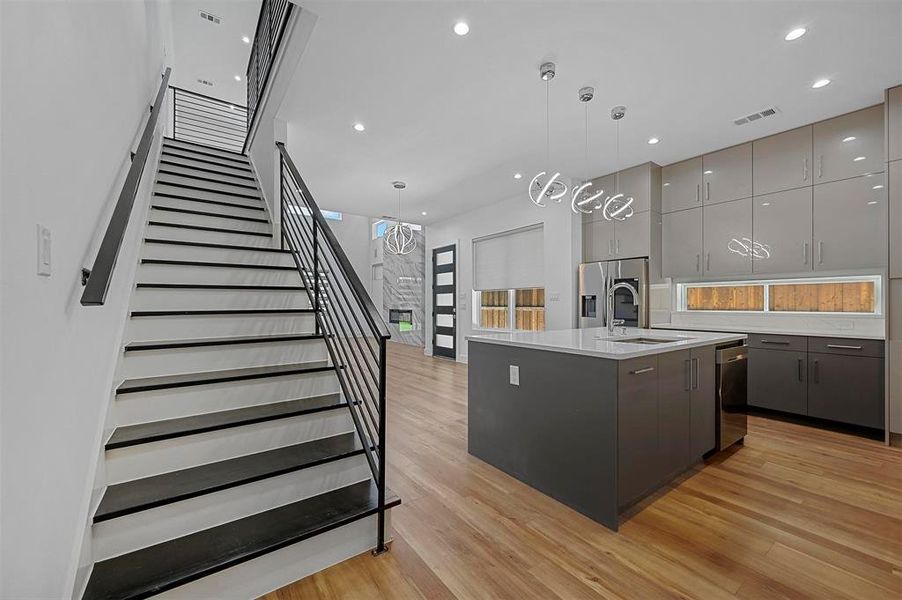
97 279
206 120
354 331
271 23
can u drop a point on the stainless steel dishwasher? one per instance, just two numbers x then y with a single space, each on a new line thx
732 380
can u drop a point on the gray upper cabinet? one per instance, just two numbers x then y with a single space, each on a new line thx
635 182
728 238
783 161
895 219
850 223
894 123
727 174
681 244
782 225
681 185
632 236
598 240
849 145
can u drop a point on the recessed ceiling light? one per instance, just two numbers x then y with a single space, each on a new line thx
859 158
245 39
359 127
795 34
653 140
461 28
517 175
820 83
877 187
851 138
423 213
237 77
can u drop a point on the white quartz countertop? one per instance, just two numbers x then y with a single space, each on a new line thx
769 330
597 342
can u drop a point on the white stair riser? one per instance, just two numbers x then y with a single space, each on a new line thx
206 150
209 195
189 327
156 525
162 216
203 359
187 161
205 170
238 211
213 237
213 186
144 460
225 255
194 400
220 275
176 299
274 570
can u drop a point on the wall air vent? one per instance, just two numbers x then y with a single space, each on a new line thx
767 112
211 18
205 82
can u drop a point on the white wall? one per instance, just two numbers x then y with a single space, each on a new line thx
563 243
77 81
353 233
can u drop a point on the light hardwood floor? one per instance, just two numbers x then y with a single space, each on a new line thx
795 513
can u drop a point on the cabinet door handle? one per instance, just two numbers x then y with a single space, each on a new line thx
698 261
618 246
800 369
820 253
610 247
817 372
698 187
708 261
804 253
820 166
707 190
805 170
777 342
641 371
695 384
687 379
843 347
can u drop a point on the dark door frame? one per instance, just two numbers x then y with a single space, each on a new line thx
444 310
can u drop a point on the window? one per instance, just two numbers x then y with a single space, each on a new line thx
298 209
380 227
498 309
848 295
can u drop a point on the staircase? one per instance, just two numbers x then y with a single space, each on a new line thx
234 463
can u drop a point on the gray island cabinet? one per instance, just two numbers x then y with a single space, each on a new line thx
595 421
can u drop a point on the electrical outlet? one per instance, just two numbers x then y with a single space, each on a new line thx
515 375
43 251
554 297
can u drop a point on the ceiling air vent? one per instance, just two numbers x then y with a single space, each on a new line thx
767 112
205 82
211 18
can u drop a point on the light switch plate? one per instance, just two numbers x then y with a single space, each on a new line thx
515 375
43 238
554 297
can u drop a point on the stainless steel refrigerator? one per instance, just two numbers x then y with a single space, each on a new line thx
594 281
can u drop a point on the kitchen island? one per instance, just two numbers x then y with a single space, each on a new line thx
595 420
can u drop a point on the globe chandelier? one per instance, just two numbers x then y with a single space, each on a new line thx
545 185
399 237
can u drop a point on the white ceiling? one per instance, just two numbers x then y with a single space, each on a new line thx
212 52
455 117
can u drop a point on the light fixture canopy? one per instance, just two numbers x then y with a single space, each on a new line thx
545 185
399 238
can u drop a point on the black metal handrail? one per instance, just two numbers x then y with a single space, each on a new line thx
353 328
209 121
271 24
97 279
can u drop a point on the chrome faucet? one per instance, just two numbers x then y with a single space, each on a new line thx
610 304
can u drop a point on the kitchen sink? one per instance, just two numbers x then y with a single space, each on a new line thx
643 340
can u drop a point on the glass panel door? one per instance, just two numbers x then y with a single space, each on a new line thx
444 291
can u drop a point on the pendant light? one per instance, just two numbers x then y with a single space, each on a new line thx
585 200
545 185
399 237
617 207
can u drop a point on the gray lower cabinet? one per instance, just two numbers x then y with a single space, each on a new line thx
674 383
777 380
681 243
637 428
847 389
702 403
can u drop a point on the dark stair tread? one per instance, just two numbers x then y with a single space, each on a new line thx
171 163
165 171
219 286
206 213
173 153
162 382
220 341
222 312
214 245
174 143
207 263
201 188
205 228
154 431
150 492
164 566
181 197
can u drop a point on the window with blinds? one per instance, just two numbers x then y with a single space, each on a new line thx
510 260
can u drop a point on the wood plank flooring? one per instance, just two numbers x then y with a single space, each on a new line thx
796 512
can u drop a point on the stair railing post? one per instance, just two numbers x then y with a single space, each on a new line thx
281 202
315 274
380 542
